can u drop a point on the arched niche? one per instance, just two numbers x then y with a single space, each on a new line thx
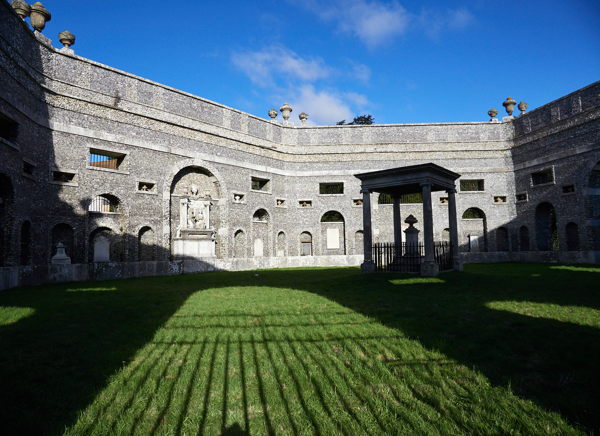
546 233
6 218
239 244
502 239
195 215
474 229
333 233
306 248
146 241
25 244
105 246
592 203
359 238
524 244
281 244
572 236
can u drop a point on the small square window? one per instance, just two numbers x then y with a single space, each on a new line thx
280 202
331 188
542 177
358 202
443 200
521 197
471 185
260 184
238 198
146 186
499 199
568 189
305 203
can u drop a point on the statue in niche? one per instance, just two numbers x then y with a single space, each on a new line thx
194 211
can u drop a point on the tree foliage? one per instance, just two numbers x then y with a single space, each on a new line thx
361 119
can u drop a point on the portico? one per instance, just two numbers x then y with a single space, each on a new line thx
424 178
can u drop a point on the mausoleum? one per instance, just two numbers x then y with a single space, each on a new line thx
104 174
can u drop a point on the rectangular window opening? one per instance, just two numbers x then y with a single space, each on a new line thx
305 203
498 199
9 129
63 177
331 188
105 159
567 189
146 186
521 197
542 177
259 184
471 185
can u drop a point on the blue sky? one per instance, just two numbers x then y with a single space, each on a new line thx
401 61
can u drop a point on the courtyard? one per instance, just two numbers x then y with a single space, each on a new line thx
497 349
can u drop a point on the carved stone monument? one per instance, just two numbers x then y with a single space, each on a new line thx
195 236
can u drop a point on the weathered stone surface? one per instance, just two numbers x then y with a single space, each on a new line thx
65 106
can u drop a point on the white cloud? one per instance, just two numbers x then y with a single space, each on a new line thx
361 72
323 107
358 100
262 66
435 22
377 22
373 22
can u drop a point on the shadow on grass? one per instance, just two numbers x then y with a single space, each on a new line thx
65 343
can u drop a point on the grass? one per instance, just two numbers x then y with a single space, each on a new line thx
498 349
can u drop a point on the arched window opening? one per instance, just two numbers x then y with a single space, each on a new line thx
260 216
105 203
25 257
546 232
572 233
332 216
146 244
524 239
306 244
474 228
502 239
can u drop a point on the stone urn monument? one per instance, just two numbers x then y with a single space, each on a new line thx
39 16
195 235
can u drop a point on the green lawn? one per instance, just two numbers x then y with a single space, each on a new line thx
497 349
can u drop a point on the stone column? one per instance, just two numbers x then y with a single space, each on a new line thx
453 222
397 226
368 265
428 267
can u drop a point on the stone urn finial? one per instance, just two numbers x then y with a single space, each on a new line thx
273 113
509 105
411 220
21 8
303 118
39 16
61 256
493 112
523 107
286 110
66 38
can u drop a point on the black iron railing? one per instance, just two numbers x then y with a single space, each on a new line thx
407 257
